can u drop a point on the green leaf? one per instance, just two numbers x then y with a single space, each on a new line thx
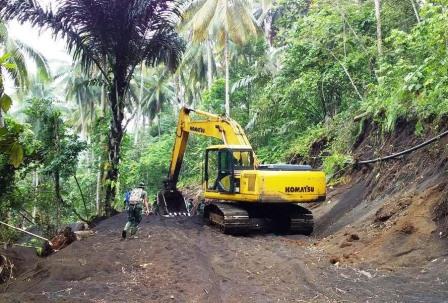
5 103
9 66
4 58
16 154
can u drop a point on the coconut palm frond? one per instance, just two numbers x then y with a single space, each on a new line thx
244 82
189 10
202 20
41 62
19 73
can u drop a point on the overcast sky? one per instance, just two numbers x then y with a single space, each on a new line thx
41 40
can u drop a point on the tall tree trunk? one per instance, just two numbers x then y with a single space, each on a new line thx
83 120
415 8
103 101
226 59
158 123
86 211
2 121
58 197
179 99
101 159
139 106
2 91
137 124
116 98
267 22
209 64
35 188
56 176
99 175
379 35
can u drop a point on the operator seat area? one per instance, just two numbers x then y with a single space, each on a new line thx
221 165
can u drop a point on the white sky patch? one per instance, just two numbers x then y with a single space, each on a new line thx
42 40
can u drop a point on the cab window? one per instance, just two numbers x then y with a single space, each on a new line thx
219 171
212 169
243 159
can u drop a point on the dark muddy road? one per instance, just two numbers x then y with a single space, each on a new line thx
181 260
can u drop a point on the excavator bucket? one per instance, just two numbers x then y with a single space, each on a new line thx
171 203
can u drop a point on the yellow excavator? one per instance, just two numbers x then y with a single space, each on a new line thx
241 194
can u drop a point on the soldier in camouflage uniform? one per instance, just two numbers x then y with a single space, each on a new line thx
137 199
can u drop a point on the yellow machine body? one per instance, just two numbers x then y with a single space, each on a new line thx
244 193
239 178
274 187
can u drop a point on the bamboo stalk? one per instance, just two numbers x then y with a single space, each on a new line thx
24 231
20 245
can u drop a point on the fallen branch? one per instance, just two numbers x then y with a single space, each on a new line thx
360 116
82 194
19 245
407 151
26 232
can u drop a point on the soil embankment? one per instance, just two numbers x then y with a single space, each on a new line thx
393 213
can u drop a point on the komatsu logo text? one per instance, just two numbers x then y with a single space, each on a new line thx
299 189
197 129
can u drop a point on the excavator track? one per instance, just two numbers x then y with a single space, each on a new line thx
230 219
242 218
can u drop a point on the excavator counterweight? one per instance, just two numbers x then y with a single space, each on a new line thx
241 194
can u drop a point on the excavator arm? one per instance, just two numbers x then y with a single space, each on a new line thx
205 124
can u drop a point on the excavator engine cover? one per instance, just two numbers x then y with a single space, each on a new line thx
171 203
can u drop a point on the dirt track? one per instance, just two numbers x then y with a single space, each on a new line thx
181 260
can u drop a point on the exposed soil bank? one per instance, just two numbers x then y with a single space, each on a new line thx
398 209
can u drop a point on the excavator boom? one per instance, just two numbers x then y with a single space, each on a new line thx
205 124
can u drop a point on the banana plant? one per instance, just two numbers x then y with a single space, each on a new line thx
9 137
5 101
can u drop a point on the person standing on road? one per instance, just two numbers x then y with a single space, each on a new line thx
127 195
137 199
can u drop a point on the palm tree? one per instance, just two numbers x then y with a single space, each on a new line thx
85 92
115 36
228 20
15 64
154 89
19 52
195 72
158 91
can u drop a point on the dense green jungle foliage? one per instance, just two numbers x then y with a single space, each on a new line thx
312 67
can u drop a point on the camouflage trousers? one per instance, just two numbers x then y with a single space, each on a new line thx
134 218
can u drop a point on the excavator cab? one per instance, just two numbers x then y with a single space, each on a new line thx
221 175
222 166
